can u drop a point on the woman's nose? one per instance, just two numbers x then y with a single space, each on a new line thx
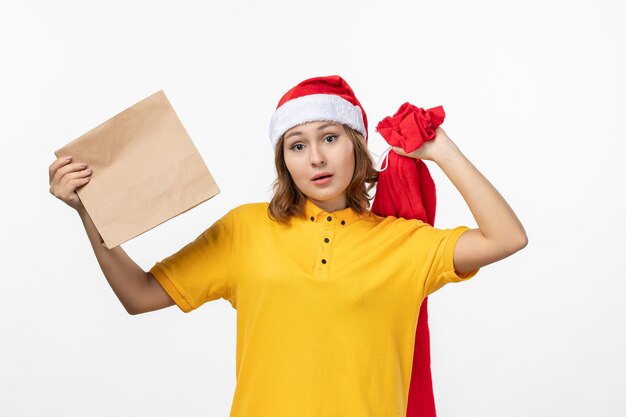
317 156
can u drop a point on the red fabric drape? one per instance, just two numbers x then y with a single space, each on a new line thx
406 189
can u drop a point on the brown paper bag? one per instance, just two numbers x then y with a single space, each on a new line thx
145 170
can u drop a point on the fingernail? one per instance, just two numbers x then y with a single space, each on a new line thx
67 158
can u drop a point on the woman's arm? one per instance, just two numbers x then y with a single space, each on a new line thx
137 290
499 233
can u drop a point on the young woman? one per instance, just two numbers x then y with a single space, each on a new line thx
327 293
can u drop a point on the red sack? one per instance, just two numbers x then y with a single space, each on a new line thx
406 189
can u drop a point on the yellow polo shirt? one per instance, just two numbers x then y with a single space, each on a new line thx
327 306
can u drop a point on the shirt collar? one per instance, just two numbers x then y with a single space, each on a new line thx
343 217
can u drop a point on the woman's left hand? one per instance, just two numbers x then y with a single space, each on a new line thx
430 148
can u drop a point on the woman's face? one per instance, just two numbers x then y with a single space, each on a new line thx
320 148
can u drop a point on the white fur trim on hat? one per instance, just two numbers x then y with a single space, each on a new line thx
315 107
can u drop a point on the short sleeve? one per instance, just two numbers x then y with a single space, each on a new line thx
201 270
435 252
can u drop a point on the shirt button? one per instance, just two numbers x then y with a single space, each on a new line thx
326 240
343 222
312 218
323 261
329 218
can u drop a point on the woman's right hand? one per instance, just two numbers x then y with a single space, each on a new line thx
65 178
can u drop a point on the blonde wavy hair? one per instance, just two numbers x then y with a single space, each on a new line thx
288 200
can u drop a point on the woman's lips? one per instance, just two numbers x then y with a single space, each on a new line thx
323 180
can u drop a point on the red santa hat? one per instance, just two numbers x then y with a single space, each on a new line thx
327 98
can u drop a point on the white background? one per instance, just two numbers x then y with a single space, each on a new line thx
535 97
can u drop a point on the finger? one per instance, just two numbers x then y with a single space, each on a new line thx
76 175
68 178
76 166
70 181
59 162
66 192
399 150
79 182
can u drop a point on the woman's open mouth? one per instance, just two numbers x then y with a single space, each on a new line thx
322 179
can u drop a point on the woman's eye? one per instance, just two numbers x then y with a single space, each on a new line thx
297 147
331 136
